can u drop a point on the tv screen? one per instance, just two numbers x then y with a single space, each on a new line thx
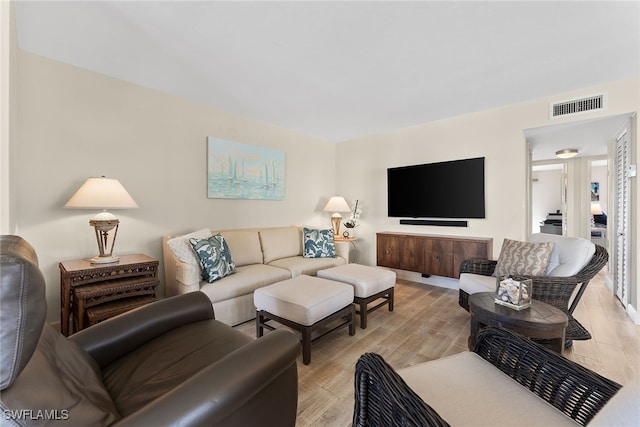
453 189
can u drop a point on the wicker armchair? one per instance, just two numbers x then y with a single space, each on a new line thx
556 291
382 397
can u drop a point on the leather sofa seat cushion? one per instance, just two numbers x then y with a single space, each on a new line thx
154 368
244 281
280 242
244 246
456 388
569 254
61 376
310 266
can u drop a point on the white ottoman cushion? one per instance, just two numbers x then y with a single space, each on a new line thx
303 299
365 280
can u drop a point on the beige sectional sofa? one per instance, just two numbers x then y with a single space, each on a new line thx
262 256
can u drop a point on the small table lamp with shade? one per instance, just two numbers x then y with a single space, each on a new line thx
103 193
337 204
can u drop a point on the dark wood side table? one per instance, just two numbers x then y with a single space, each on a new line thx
540 321
106 289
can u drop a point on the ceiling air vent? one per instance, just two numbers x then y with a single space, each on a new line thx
578 106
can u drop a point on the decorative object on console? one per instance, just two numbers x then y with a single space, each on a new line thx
337 204
103 193
243 171
567 153
352 222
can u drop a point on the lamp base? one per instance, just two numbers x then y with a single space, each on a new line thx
104 259
336 219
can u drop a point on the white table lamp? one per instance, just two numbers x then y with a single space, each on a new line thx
337 204
103 193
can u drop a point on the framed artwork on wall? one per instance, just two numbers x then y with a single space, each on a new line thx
243 171
595 191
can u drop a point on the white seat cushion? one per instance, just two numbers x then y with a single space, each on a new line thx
622 409
244 281
569 254
366 280
299 265
303 299
466 390
474 283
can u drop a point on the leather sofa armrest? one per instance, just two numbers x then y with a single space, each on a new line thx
109 340
255 385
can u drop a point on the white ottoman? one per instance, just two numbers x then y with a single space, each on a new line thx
369 283
305 303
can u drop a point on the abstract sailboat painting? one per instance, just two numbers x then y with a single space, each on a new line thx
242 171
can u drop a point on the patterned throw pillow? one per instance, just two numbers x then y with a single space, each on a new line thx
318 243
214 256
523 258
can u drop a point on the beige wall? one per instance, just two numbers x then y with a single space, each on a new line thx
495 134
75 124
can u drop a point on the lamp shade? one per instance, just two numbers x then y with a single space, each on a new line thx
337 204
101 193
596 208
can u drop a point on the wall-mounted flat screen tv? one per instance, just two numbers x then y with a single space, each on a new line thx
452 189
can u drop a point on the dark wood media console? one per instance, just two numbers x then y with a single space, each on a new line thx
430 254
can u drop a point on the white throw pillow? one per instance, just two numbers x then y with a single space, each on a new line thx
183 250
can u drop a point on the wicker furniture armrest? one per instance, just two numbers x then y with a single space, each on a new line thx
382 398
484 267
573 389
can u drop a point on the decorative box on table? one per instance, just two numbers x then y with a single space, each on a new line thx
512 293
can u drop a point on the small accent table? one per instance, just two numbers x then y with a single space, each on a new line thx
344 246
541 321
90 293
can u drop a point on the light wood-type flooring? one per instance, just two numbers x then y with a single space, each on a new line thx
427 323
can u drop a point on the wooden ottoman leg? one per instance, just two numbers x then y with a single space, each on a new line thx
306 344
363 314
352 323
391 299
259 323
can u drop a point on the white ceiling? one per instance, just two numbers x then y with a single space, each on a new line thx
342 70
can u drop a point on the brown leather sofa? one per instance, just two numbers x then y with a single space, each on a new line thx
167 363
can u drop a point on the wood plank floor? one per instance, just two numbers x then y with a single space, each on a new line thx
427 324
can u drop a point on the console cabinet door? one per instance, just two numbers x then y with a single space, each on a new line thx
411 253
467 249
387 251
438 257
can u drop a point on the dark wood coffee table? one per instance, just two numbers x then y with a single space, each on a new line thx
541 321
